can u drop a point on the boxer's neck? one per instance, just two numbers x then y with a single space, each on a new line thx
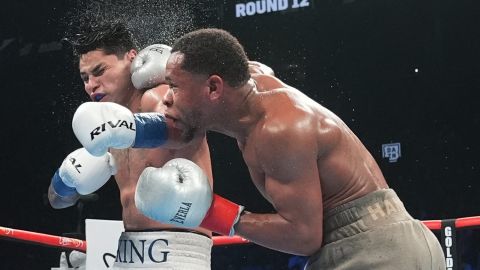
134 102
240 112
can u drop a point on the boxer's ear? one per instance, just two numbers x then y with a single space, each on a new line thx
215 86
131 55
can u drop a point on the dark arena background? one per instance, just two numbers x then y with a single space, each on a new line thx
403 74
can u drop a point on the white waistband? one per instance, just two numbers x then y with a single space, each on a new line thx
163 250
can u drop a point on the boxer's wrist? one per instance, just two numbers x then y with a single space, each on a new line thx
58 202
60 188
151 130
222 216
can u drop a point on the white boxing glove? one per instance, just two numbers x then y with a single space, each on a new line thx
99 126
83 173
148 67
179 194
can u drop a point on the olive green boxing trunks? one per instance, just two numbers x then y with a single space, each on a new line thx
376 232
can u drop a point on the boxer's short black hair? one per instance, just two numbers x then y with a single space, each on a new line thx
214 52
113 37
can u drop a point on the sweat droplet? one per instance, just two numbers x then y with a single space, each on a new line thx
150 21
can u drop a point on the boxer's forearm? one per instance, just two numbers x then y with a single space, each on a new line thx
275 232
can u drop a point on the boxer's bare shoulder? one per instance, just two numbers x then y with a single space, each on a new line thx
265 82
255 67
152 99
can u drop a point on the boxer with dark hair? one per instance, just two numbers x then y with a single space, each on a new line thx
112 70
332 200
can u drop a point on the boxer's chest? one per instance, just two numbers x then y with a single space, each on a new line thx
131 162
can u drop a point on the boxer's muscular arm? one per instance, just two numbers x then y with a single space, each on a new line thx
289 161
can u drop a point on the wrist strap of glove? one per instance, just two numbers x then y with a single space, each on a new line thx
151 130
60 187
222 216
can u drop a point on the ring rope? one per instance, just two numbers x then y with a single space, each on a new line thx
81 245
77 244
465 222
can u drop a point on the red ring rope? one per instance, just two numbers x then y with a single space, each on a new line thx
77 244
459 223
44 239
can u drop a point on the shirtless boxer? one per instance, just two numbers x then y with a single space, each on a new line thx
332 201
106 53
